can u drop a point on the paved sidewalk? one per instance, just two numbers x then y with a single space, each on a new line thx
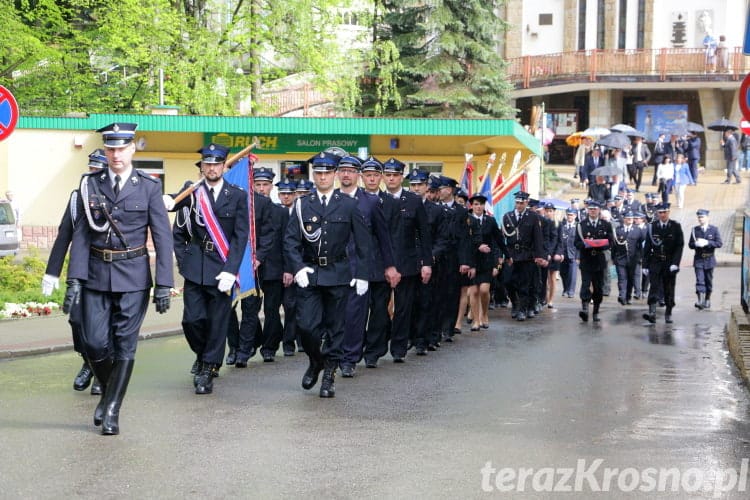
48 334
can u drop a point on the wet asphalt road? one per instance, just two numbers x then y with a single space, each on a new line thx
543 393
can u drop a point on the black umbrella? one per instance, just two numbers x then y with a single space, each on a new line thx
614 140
694 127
722 125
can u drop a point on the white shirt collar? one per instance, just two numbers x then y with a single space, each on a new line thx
123 176
397 194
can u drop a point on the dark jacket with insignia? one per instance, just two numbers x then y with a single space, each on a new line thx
628 246
272 265
663 245
64 234
338 221
137 210
566 237
488 233
370 206
197 259
410 234
704 256
593 259
524 240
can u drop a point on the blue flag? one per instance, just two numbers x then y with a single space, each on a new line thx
241 175
486 190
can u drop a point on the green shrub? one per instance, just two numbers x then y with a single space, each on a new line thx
21 281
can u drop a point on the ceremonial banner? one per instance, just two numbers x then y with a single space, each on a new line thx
241 174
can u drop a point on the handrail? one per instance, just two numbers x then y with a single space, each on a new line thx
597 65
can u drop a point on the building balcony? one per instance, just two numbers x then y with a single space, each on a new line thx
667 66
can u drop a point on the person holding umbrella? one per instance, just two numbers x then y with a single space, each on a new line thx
731 155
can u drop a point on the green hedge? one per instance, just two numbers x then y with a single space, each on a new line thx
22 281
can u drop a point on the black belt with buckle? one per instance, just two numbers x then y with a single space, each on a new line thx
206 245
593 252
324 261
661 257
109 255
706 255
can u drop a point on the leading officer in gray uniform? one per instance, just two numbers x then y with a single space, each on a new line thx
109 272
315 248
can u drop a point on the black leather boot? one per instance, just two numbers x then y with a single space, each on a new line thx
595 317
116 388
650 316
707 301
327 389
204 383
232 356
584 312
83 379
310 378
102 370
668 315
701 304
96 387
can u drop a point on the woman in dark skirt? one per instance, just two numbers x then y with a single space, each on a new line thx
486 243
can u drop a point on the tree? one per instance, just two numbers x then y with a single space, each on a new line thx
448 49
69 56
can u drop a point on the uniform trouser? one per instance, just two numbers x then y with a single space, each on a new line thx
449 283
592 285
75 319
357 309
626 280
321 322
638 280
403 304
662 284
205 320
289 302
111 322
540 284
379 325
523 273
273 291
704 279
421 318
251 332
568 274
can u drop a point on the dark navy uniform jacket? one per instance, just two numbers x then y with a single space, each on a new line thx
566 237
272 265
410 234
487 232
64 235
137 209
704 256
663 246
628 247
338 221
549 235
524 240
370 206
198 261
439 230
593 259
459 248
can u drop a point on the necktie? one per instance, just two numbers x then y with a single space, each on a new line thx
117 184
213 197
323 200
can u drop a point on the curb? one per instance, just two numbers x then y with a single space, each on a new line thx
20 352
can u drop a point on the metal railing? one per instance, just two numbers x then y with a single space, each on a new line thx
597 65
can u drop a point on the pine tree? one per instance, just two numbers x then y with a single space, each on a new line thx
448 50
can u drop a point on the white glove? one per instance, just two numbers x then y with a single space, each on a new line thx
673 268
360 285
226 281
168 202
645 271
701 242
49 284
301 278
